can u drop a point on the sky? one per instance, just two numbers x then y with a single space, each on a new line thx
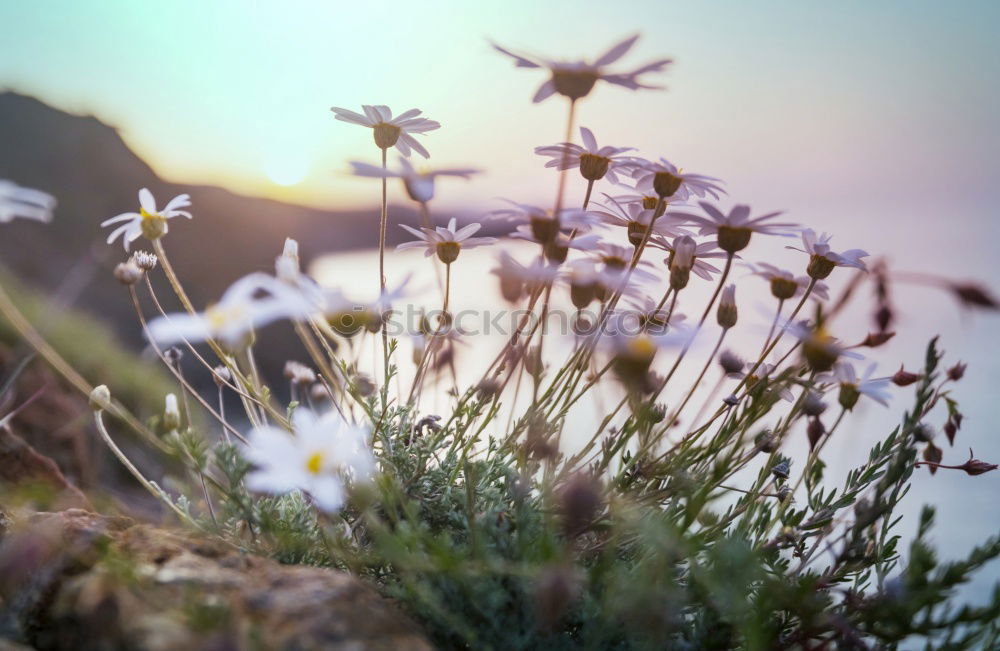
873 120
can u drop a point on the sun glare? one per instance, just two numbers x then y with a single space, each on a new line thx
286 169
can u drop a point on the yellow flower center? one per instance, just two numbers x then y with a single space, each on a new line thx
314 463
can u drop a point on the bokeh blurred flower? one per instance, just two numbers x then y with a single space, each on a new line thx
595 163
575 79
419 184
323 455
149 221
852 386
250 303
25 203
517 279
636 220
391 131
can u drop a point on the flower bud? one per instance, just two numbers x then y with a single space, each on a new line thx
957 372
815 431
876 339
171 413
904 378
727 307
974 296
781 470
286 266
128 273
144 260
100 398
766 441
933 455
976 467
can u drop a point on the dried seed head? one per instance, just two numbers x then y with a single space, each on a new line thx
813 404
731 363
298 373
100 398
173 355
766 441
221 375
923 433
580 502
144 260
364 385
128 272
488 389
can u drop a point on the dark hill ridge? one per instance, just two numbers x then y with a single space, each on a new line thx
94 175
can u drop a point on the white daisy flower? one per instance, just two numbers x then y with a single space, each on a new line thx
575 79
785 284
852 386
616 260
323 455
556 248
636 220
419 184
348 316
149 221
822 260
446 242
734 230
595 162
665 180
517 279
25 203
391 131
699 253
250 303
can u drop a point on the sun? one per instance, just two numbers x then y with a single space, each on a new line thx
287 168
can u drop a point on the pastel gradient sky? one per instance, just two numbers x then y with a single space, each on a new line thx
875 120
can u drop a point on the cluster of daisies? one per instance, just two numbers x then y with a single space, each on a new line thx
644 228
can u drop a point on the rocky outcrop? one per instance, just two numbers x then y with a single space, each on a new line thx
77 580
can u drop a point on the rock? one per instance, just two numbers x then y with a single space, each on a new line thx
74 579
21 468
